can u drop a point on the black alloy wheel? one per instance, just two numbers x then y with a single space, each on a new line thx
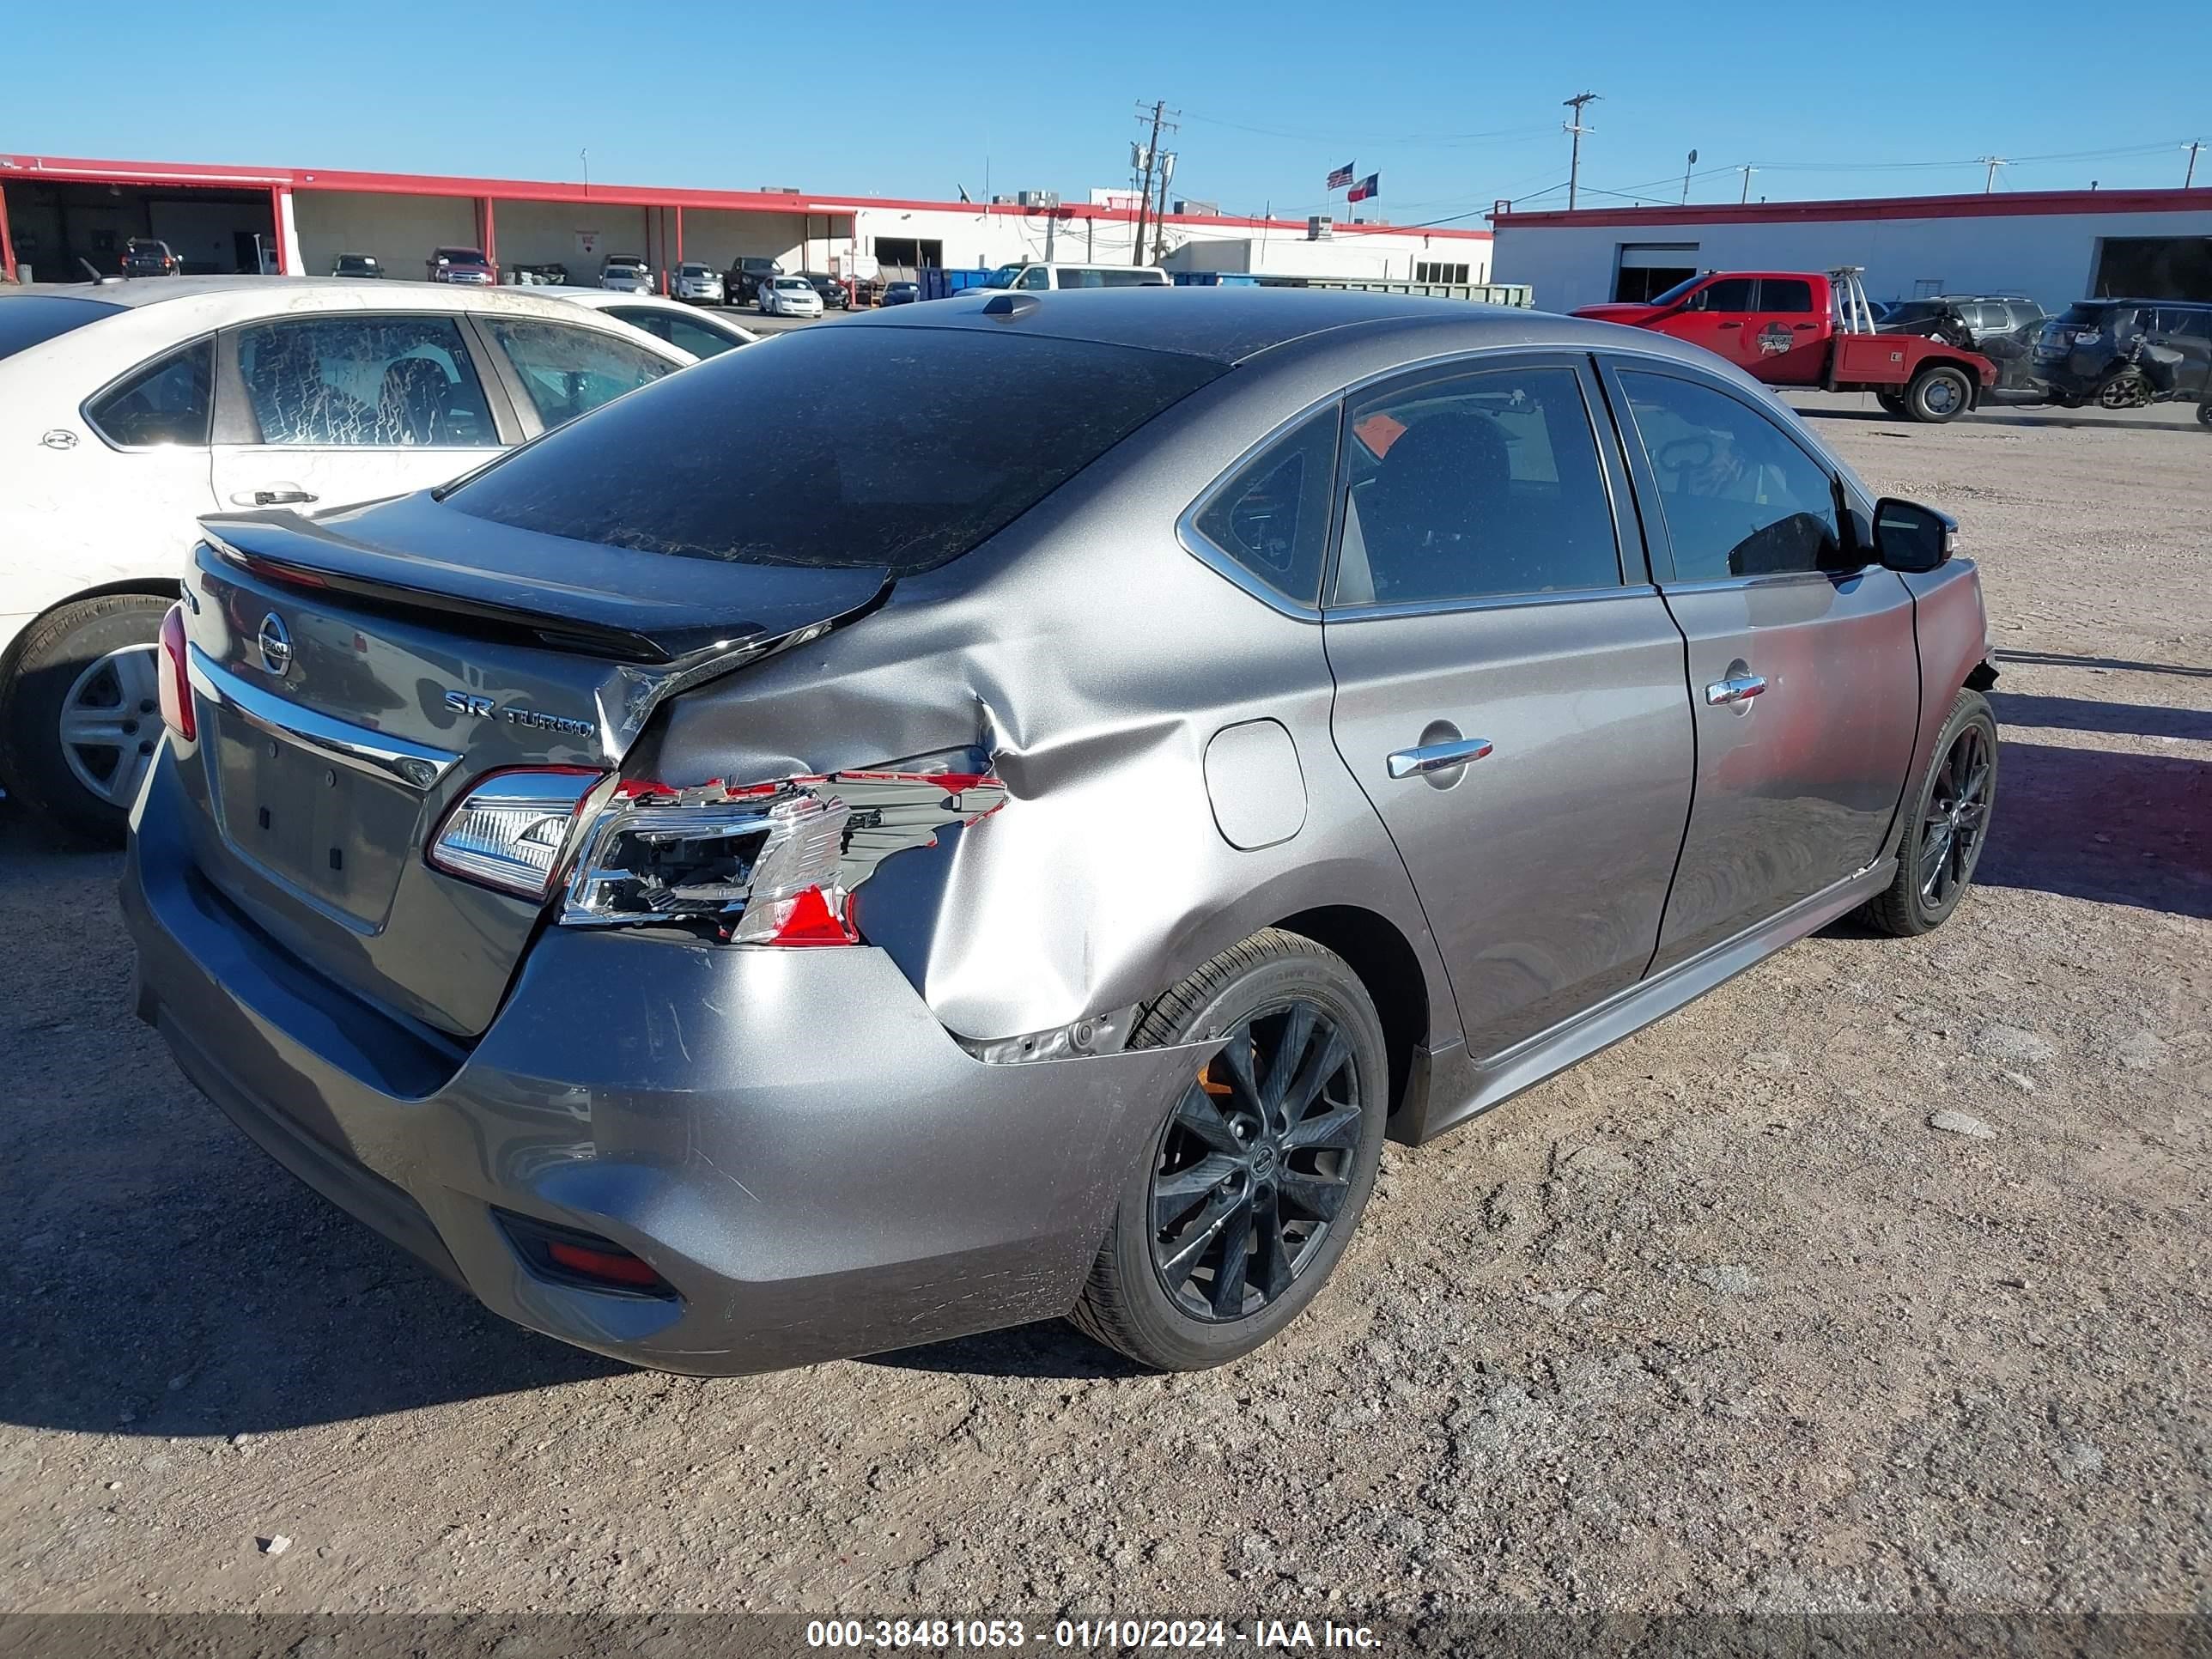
1255 1165
1236 1209
1943 836
1957 819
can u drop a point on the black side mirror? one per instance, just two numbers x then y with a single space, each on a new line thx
1910 537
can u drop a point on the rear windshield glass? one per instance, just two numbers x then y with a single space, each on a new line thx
2082 313
29 319
849 447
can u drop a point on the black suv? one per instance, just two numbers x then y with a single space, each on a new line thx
2124 354
741 283
144 257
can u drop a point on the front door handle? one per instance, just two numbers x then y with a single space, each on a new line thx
1737 688
1436 756
282 494
1731 325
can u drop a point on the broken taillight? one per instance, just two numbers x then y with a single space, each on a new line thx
511 828
761 864
175 690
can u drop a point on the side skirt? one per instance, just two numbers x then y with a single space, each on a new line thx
1460 1091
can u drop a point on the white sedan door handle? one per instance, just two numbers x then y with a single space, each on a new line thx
277 494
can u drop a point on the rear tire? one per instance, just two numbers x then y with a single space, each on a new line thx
1248 1195
1893 402
1947 828
2127 389
1939 394
2204 413
87 661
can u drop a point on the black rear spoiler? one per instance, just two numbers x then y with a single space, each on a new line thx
413 558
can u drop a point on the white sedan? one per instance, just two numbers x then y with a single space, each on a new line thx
789 296
703 334
131 409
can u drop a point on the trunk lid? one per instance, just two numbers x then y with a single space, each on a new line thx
353 678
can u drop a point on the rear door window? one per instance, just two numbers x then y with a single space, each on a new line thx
846 447
568 371
364 382
1477 487
166 401
1789 293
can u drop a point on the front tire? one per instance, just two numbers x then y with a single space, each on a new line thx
80 715
1248 1195
1939 394
2204 413
1949 827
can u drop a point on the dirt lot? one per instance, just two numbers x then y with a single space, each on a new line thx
1715 1321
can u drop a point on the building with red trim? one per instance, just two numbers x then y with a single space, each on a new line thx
2056 246
56 211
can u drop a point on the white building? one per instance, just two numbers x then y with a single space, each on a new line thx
56 210
2056 246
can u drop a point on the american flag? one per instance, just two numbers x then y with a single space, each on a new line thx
1342 176
1367 188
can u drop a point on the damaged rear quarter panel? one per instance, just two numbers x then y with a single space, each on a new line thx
1094 658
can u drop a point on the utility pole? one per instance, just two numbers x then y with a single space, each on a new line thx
1992 162
1747 170
584 156
1160 214
1686 165
2191 177
1158 117
1575 128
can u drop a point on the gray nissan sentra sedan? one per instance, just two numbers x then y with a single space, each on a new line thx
1015 846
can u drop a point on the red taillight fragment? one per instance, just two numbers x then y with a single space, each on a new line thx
176 686
808 920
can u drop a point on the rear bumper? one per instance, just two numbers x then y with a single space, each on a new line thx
788 1137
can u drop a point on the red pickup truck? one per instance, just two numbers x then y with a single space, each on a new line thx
1803 328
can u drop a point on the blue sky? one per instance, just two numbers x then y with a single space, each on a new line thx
1454 106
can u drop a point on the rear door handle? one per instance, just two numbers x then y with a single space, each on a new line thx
1737 687
280 494
1731 325
1436 756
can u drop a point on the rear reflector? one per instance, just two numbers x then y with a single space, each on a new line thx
511 827
572 1256
176 690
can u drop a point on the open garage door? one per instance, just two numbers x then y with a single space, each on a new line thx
57 228
1646 269
2154 268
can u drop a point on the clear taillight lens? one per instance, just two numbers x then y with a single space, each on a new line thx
510 829
768 863
176 688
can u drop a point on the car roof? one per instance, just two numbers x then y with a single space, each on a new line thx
1232 325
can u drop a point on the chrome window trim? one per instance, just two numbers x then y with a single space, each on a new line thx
1357 613
377 753
1597 353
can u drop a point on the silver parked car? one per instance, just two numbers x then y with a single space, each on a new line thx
731 905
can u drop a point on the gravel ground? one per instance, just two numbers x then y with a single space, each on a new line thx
1717 1321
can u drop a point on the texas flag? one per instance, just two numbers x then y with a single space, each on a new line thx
1370 186
1342 176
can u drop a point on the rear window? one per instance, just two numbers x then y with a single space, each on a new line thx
2080 315
846 447
29 319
